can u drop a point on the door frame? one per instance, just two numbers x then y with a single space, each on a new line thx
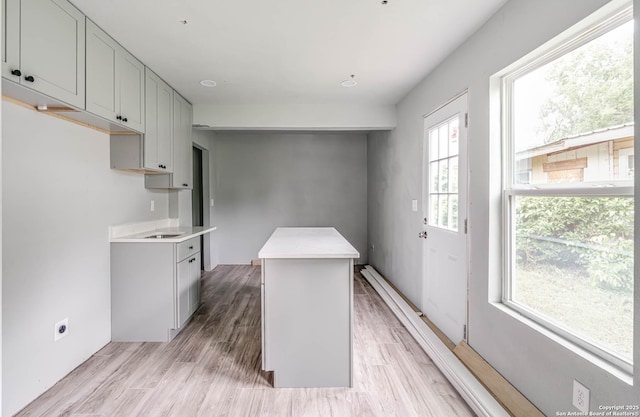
425 197
206 211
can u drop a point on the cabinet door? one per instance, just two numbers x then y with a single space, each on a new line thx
178 143
158 153
194 289
10 39
182 162
183 284
101 73
52 49
187 122
130 82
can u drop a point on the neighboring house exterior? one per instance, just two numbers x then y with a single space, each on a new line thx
602 155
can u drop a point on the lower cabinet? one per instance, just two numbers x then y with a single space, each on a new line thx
155 289
188 284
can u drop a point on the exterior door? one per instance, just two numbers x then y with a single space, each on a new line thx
444 299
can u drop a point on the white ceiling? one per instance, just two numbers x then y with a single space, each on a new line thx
290 51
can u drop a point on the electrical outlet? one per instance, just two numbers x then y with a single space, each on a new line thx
60 329
580 397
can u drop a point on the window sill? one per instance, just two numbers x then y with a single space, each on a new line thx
608 367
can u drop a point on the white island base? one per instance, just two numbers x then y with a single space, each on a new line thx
307 308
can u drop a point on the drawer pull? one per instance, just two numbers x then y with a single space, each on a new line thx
191 247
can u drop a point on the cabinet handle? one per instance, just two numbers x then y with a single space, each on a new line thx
162 166
124 119
118 117
16 72
185 185
190 247
29 78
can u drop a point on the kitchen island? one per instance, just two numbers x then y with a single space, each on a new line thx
307 307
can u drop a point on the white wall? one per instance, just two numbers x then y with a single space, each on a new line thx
334 116
540 368
59 199
288 179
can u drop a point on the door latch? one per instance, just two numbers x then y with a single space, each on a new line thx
422 235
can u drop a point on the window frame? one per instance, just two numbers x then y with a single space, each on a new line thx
430 194
551 51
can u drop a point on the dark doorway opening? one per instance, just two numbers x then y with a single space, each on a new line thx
197 197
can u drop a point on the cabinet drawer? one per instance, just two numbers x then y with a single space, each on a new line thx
188 247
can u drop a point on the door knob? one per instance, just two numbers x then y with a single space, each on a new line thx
422 235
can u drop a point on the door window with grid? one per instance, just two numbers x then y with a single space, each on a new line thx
443 174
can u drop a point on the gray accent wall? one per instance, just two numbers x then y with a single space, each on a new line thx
60 196
267 180
540 367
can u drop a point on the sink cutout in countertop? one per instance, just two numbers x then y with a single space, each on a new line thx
162 236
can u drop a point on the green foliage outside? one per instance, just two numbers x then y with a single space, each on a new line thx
598 314
593 89
592 236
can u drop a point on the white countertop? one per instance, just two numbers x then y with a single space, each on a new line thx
307 242
138 232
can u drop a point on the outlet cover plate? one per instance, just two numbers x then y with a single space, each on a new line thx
581 397
57 335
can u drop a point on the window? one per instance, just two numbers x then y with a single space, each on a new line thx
568 188
443 178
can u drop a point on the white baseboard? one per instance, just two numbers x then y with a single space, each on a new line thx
471 390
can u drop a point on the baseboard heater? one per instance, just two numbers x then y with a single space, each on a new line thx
471 390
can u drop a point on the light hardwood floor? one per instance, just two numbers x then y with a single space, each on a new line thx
212 368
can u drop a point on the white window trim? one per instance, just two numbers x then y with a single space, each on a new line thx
609 17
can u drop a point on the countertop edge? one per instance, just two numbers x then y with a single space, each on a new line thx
307 243
179 239
309 256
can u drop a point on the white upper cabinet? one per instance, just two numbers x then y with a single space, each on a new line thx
115 80
43 48
182 154
11 40
158 142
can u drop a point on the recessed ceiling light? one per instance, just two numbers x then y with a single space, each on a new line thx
351 82
208 83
